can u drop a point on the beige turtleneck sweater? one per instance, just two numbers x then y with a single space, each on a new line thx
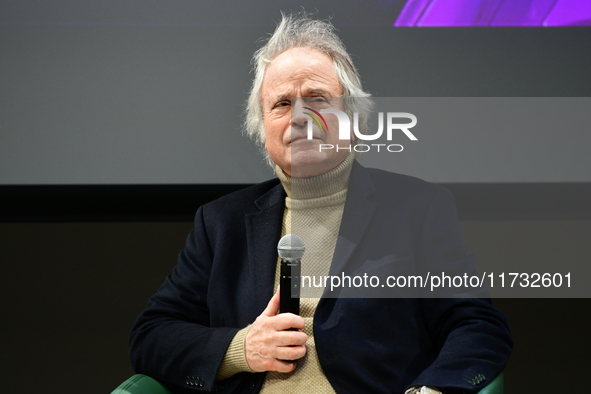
313 210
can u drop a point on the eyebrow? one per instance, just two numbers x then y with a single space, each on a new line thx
317 92
282 97
309 93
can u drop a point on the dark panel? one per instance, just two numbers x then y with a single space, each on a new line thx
73 290
104 203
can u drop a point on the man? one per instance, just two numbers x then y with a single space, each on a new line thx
215 324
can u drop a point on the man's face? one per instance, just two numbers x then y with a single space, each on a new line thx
298 78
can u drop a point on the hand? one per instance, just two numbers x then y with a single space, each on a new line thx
268 346
422 390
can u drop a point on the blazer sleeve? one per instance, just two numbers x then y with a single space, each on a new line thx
172 340
472 336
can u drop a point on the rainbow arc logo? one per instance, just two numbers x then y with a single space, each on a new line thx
319 119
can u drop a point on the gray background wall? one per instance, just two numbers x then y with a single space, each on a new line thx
118 93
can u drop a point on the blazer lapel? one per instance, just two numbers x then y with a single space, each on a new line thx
263 232
357 215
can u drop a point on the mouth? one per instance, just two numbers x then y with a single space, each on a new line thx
301 138
304 137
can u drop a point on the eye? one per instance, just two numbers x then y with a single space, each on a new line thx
317 100
283 103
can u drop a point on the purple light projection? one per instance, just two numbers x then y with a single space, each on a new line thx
495 13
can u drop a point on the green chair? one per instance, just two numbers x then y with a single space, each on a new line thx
494 387
142 384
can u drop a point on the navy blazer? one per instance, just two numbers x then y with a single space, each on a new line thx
392 224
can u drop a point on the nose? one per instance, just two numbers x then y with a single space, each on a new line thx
298 117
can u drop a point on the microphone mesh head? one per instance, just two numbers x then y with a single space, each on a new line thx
291 247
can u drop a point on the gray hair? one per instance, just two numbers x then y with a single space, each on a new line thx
301 31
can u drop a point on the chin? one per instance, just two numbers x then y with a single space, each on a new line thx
309 163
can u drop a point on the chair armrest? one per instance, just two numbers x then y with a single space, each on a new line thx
494 387
141 384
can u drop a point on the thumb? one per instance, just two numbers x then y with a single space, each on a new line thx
272 308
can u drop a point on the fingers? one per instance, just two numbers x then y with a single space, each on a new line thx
265 338
290 353
272 308
285 321
290 338
278 365
269 346
285 366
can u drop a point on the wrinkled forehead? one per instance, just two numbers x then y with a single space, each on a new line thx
300 72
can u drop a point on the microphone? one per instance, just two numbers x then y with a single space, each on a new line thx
291 249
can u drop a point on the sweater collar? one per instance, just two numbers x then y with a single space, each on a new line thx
327 184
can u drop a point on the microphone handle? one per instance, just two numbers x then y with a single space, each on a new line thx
289 287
